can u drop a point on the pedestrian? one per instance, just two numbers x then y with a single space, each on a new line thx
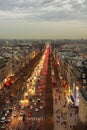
57 121
56 111
65 127
74 126
19 129
70 114
75 118
58 117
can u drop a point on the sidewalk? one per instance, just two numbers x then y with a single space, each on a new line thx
65 118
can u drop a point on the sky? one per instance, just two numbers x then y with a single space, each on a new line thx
43 19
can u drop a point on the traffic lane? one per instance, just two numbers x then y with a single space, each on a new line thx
33 79
31 124
35 117
34 124
34 110
11 125
38 113
16 120
37 110
5 116
15 123
17 116
17 109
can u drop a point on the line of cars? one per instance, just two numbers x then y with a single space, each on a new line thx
6 117
35 111
18 110
8 114
36 102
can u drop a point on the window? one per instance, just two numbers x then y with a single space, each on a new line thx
83 75
84 81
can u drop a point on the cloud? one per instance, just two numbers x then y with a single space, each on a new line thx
44 10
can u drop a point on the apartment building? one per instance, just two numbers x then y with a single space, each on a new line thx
83 105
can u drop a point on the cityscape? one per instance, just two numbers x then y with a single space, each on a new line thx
43 64
43 84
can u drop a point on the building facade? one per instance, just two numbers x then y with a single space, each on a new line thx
83 105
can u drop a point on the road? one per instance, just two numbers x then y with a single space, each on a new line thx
30 95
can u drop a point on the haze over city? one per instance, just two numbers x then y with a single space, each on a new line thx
43 19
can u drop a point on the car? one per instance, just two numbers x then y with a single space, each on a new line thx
26 96
15 114
8 119
29 115
31 107
33 100
6 114
36 109
22 108
10 109
38 99
41 107
14 107
3 120
7 111
35 103
21 113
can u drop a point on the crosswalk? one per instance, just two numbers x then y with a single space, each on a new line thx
35 118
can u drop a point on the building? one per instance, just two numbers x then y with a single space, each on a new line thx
73 64
83 105
13 58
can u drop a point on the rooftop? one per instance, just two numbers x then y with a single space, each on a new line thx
84 93
3 62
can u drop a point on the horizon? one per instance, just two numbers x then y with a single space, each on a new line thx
43 19
41 39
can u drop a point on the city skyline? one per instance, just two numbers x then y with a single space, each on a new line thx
43 19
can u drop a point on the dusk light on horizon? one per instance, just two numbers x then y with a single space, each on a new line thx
43 19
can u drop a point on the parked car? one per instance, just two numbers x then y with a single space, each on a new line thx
3 119
36 109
